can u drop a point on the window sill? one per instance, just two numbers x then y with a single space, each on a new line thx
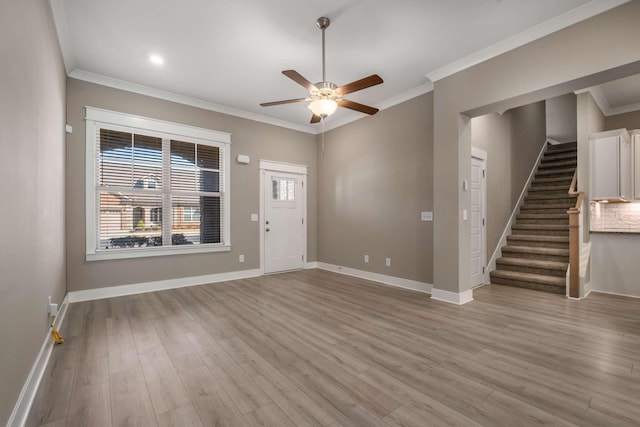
151 252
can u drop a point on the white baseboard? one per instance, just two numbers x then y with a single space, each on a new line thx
458 298
27 395
139 288
596 291
311 265
375 277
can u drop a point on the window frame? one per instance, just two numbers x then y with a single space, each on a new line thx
96 118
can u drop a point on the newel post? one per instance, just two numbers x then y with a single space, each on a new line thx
574 252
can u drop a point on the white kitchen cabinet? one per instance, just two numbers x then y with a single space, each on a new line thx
610 165
635 139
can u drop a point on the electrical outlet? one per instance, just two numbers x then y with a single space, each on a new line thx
52 309
241 258
366 259
387 262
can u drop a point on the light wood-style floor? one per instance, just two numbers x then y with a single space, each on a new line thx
314 348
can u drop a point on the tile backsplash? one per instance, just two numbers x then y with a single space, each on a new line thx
621 217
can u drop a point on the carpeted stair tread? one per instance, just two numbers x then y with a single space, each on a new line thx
536 250
537 263
529 280
537 238
558 195
537 206
560 187
552 156
567 146
540 227
553 180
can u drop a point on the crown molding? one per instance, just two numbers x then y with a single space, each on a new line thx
586 11
181 99
602 103
64 37
393 101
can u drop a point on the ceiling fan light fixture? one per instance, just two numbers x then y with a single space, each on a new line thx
323 107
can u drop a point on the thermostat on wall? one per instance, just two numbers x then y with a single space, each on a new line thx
243 159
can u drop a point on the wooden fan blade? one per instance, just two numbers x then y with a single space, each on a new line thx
372 80
286 101
358 107
297 77
315 119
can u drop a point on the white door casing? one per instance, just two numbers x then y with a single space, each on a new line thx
478 217
283 222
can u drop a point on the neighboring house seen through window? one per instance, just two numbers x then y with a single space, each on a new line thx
158 188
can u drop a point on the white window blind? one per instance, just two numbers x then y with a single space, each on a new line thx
156 190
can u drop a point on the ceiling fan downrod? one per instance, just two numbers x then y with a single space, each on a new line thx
323 23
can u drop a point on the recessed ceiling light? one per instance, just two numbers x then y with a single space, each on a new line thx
156 59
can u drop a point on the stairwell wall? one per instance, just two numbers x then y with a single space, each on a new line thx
512 141
32 171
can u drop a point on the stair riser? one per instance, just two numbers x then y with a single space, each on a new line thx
529 243
565 180
539 200
529 285
552 174
517 232
532 270
560 164
554 157
544 257
563 146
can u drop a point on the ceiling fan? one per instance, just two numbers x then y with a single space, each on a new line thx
325 97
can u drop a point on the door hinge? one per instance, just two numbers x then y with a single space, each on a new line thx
484 173
302 258
482 221
303 220
482 270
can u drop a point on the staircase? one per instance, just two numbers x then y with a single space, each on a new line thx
537 252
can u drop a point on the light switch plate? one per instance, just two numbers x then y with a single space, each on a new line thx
426 216
254 217
465 214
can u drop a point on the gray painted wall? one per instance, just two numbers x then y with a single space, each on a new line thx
627 120
375 177
590 120
536 71
258 140
614 263
32 253
512 141
561 116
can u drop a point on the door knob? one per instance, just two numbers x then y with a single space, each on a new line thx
268 229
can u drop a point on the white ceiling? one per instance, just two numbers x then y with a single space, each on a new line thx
228 55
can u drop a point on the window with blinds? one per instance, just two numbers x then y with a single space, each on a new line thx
156 190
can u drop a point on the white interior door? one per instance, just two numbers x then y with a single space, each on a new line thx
283 222
478 239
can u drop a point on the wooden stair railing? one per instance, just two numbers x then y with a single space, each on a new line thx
574 239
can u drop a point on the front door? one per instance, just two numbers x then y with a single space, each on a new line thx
283 222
